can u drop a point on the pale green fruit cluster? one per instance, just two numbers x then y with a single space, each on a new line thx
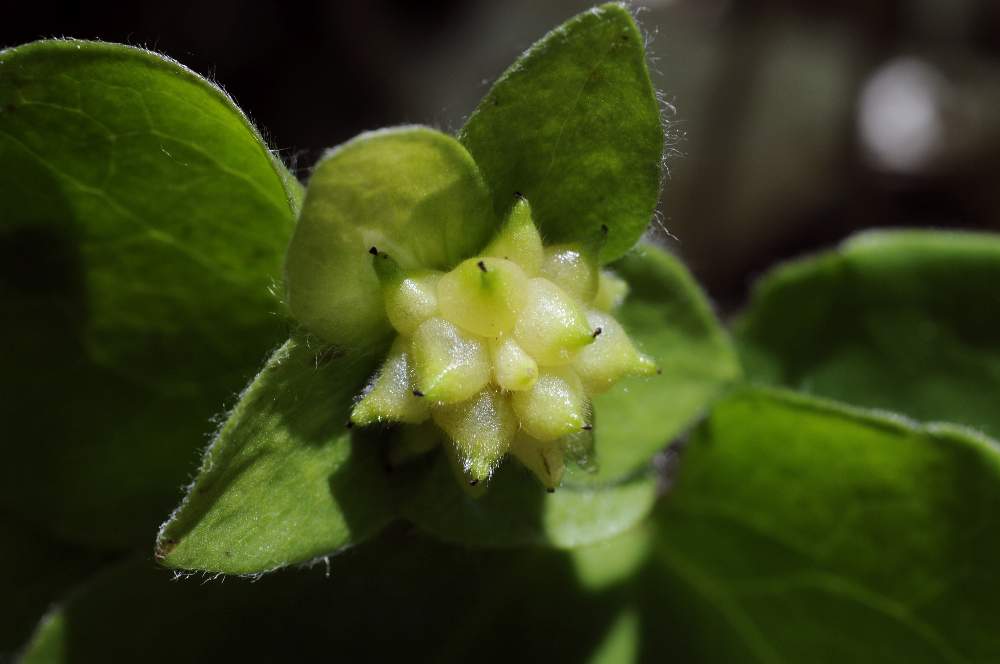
504 352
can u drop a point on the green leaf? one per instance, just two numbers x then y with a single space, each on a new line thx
797 531
806 531
35 570
902 321
144 222
668 317
284 481
515 510
412 192
574 125
402 597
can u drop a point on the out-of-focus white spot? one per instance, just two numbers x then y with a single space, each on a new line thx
900 115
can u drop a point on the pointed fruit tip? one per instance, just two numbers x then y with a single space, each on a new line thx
361 416
647 366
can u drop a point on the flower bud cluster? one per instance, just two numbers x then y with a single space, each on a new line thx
504 352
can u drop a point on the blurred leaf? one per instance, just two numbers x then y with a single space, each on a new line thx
515 510
35 571
412 192
622 643
669 318
901 321
401 597
144 222
806 531
574 125
285 481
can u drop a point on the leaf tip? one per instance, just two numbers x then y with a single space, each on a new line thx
164 547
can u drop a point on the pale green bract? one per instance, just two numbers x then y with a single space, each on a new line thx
411 191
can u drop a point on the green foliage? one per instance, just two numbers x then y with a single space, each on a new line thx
144 222
284 481
143 238
807 531
798 530
516 512
401 597
574 125
669 318
900 321
35 571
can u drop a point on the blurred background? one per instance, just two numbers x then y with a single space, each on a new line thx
792 123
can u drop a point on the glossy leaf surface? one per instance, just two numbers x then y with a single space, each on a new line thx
411 192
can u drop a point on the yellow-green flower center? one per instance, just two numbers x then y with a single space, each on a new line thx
505 351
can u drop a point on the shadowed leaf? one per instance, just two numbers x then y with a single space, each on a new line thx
144 222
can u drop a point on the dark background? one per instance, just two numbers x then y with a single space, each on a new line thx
792 122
